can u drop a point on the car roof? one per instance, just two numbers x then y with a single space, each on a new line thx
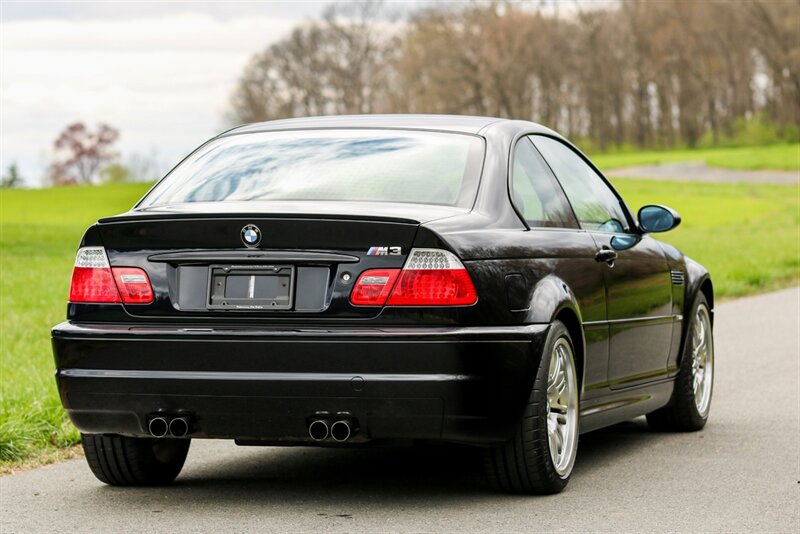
450 123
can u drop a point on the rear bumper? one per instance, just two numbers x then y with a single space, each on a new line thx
455 384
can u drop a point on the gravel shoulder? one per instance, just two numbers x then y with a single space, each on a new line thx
742 473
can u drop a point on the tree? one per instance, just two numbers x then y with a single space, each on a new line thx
666 73
774 27
144 167
80 153
11 178
336 65
116 173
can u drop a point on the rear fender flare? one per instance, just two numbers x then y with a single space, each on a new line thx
550 298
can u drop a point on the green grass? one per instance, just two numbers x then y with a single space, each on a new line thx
746 235
774 157
39 233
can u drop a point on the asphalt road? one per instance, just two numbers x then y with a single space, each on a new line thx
697 171
741 473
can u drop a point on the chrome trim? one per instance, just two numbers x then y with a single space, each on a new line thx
656 319
256 376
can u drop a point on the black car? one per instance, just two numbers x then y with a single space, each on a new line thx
345 280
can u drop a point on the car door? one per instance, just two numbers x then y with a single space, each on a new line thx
637 279
558 246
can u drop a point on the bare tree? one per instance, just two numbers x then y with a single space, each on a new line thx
336 65
81 153
775 27
11 177
652 73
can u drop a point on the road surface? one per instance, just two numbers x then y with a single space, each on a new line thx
697 171
742 473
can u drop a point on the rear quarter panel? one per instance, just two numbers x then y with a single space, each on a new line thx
552 270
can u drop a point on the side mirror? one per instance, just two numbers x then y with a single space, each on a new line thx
654 218
624 242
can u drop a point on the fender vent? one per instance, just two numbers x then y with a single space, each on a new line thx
677 277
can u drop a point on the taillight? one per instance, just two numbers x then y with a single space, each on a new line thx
94 281
430 277
433 277
373 286
133 284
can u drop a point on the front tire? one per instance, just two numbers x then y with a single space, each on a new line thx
540 457
691 400
124 461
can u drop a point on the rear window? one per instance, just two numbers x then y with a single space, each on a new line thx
346 165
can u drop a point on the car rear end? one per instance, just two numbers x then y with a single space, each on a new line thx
259 295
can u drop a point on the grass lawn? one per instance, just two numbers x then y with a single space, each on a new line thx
747 235
774 157
39 233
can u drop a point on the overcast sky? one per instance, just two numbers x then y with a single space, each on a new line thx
160 72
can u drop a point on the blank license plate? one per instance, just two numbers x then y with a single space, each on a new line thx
246 287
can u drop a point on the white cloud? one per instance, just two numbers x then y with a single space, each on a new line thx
164 82
160 72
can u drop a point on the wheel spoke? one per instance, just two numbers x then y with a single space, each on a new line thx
562 406
699 335
551 437
559 440
561 384
555 367
702 359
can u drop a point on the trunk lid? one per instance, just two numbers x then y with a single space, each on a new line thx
308 258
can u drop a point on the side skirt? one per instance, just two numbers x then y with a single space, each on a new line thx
625 404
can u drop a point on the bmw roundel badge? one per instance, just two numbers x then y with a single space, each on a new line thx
251 235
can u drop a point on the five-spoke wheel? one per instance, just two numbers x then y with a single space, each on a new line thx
691 399
562 407
540 456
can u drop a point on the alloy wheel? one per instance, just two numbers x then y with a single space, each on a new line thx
702 347
562 407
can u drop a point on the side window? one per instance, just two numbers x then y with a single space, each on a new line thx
535 193
595 205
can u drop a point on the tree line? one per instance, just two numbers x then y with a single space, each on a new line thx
652 73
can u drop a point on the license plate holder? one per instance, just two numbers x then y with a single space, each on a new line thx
250 287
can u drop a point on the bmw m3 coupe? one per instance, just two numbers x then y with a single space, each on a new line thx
344 280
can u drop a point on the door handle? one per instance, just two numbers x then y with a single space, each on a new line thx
607 255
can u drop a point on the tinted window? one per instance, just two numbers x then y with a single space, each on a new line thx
535 193
350 165
594 203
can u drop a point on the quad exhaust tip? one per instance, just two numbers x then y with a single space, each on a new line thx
179 427
341 430
158 427
318 429
176 427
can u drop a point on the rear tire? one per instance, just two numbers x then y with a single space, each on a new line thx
527 464
691 399
124 461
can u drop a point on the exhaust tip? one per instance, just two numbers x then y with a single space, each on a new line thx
158 427
340 431
179 427
318 430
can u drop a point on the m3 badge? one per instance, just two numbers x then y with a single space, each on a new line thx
385 251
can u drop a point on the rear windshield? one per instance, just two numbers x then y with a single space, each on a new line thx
347 165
